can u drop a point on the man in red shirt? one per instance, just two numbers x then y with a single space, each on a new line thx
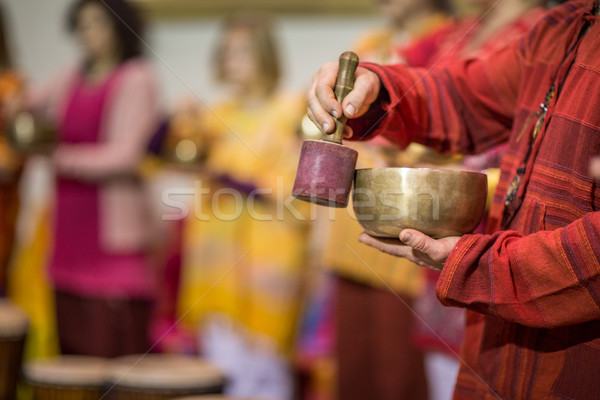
532 284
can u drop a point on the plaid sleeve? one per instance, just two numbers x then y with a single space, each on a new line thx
543 280
467 107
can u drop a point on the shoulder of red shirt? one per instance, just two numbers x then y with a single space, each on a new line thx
421 51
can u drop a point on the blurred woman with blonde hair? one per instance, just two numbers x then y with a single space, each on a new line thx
242 271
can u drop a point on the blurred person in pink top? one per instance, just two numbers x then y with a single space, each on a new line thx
105 110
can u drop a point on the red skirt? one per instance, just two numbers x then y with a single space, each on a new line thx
376 358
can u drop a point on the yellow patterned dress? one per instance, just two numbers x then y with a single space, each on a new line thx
244 249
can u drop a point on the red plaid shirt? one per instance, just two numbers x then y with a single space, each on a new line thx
532 288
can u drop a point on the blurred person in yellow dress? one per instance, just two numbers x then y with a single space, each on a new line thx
244 250
373 289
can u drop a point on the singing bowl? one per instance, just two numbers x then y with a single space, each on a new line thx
436 202
185 143
29 133
183 152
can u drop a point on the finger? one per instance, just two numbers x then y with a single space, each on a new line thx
324 84
311 116
392 247
366 88
419 241
319 116
348 132
595 167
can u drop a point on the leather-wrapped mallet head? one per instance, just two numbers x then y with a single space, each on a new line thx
326 167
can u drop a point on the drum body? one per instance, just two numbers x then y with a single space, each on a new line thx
162 377
215 397
58 392
138 393
209 397
13 330
67 378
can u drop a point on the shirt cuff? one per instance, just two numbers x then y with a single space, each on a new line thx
451 266
369 125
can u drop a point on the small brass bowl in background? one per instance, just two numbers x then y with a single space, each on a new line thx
30 133
438 203
183 152
185 142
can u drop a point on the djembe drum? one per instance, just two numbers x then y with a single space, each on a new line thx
209 397
13 329
162 377
67 378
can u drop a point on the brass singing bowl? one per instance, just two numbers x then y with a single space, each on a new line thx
436 202
29 133
184 152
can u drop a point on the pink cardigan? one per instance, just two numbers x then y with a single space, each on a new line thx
130 119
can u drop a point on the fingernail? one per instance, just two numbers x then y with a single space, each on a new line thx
335 113
325 127
350 110
406 237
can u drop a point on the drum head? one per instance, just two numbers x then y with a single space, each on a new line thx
68 371
205 398
163 372
215 397
13 320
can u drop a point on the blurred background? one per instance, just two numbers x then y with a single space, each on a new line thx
183 40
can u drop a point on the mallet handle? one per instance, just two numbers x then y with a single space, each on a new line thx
343 85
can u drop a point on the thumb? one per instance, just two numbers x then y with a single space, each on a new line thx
348 132
417 240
